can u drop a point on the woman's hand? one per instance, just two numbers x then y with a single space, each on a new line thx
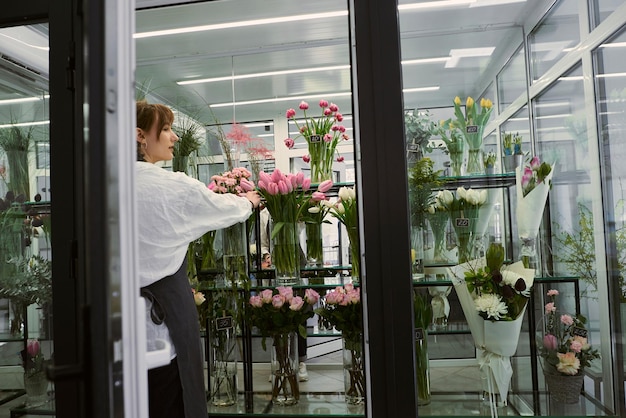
254 198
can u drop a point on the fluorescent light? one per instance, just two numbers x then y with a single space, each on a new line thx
483 3
434 4
257 124
572 78
457 54
20 100
10 125
611 75
240 24
614 45
425 61
266 74
418 89
551 104
280 99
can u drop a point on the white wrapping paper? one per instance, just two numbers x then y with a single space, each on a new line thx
530 207
497 339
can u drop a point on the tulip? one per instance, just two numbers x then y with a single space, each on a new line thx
323 103
461 193
338 117
289 143
325 186
306 158
318 196
327 112
457 101
469 103
290 113
306 184
340 159
33 347
303 105
447 198
549 342
333 107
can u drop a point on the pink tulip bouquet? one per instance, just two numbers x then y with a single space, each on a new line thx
322 135
564 347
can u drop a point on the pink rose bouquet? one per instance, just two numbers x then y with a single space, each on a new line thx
564 347
280 311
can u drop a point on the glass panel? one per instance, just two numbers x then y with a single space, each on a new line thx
558 33
247 73
25 218
567 240
512 79
601 9
611 99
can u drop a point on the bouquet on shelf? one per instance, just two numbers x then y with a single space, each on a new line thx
322 135
534 180
494 299
464 210
345 210
278 311
313 215
32 358
342 308
473 118
286 196
564 346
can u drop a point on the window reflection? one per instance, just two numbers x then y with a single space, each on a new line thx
554 37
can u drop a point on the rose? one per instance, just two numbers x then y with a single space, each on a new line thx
296 303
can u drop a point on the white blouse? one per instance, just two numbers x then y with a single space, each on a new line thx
174 209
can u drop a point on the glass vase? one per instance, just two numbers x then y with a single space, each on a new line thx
353 372
223 361
475 164
417 253
314 248
322 155
464 229
456 163
36 387
438 223
285 249
235 250
355 256
180 163
18 176
284 366
422 368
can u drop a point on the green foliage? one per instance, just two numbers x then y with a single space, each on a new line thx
423 179
418 127
511 143
422 310
29 280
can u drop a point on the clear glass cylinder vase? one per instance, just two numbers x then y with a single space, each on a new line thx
353 369
285 249
223 362
438 223
422 368
355 256
36 387
235 254
314 247
284 366
475 164
322 155
456 163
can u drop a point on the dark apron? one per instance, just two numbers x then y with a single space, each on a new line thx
172 301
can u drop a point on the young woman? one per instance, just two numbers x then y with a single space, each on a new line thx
174 210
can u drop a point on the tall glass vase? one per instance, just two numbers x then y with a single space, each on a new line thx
438 223
286 253
355 256
36 387
456 163
465 229
314 248
223 362
422 367
235 248
417 253
353 371
322 156
475 164
180 163
284 364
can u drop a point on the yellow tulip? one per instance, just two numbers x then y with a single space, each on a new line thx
469 102
488 104
457 101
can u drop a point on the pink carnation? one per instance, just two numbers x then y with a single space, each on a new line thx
550 308
567 320
553 292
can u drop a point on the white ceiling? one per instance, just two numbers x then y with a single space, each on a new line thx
425 33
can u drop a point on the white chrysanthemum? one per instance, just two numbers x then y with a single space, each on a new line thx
492 305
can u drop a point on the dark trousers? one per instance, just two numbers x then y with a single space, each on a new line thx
165 392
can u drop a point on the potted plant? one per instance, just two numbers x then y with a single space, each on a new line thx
512 148
490 162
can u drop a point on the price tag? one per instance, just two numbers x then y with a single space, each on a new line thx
419 334
314 139
224 322
462 222
412 147
579 332
471 129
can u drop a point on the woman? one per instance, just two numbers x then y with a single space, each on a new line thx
174 210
